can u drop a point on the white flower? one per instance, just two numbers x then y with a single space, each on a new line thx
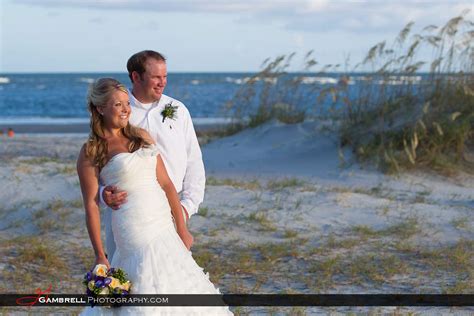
126 286
91 285
115 283
100 270
104 291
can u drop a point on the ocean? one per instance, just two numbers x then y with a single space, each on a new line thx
52 98
61 98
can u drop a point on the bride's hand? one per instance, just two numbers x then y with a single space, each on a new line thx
102 260
186 237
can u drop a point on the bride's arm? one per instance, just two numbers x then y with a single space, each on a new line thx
173 199
89 179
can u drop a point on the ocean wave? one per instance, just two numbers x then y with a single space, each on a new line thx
195 82
391 80
86 80
211 120
236 80
247 79
4 80
400 80
320 80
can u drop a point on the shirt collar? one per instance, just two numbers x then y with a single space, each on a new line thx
145 106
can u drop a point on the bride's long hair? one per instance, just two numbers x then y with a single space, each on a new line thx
96 147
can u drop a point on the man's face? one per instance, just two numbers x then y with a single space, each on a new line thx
153 80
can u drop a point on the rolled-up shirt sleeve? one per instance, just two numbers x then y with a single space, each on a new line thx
194 181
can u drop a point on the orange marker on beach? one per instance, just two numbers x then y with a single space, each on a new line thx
10 132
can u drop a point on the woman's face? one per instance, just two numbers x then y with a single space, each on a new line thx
116 111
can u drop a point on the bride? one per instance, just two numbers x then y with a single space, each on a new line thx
150 249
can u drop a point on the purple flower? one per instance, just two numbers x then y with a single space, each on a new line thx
88 276
124 293
99 283
98 278
107 281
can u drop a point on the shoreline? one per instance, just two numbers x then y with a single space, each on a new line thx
200 125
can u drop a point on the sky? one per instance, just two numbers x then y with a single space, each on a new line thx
201 35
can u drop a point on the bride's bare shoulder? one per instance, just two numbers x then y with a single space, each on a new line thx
83 160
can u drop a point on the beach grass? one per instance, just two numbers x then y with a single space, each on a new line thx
404 113
248 185
280 184
403 230
203 211
416 124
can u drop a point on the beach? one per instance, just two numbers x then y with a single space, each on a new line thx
37 126
285 211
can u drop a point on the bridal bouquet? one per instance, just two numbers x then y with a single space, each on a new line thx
111 282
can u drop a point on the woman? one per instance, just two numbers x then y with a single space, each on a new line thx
150 249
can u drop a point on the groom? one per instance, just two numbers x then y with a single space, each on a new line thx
169 123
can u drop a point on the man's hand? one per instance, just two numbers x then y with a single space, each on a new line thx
113 197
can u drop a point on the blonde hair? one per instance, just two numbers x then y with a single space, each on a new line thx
96 148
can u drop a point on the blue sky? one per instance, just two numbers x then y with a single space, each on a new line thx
200 35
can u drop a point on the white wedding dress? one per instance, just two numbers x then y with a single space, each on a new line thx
148 246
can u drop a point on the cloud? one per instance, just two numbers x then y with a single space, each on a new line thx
96 20
299 15
375 17
207 6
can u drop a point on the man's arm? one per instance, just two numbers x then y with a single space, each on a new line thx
194 179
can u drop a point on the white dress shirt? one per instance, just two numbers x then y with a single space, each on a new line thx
178 145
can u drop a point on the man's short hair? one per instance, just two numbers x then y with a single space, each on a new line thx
138 60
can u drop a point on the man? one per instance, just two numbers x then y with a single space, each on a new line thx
169 123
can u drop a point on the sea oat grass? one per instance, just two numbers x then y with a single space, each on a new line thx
203 211
261 218
281 184
402 112
289 233
402 230
461 223
67 169
416 125
40 160
248 185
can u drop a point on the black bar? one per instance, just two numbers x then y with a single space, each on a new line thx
244 300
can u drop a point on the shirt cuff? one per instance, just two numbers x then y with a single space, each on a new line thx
189 207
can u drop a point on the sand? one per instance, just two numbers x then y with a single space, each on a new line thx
283 213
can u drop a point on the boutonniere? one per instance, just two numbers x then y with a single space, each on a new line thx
169 112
